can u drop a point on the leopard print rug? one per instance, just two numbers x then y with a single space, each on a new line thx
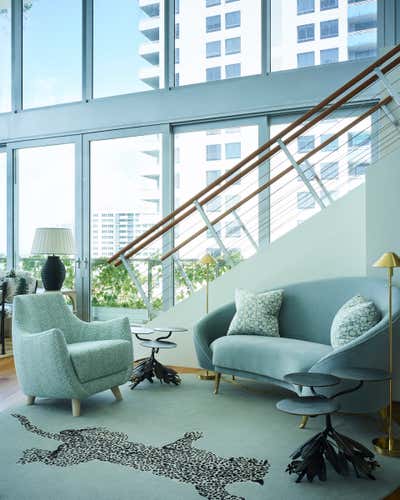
180 460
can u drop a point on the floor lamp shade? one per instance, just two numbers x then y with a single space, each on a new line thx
53 241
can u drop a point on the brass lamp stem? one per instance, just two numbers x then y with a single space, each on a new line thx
207 280
390 444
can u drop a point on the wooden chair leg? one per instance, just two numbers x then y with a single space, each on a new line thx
303 423
216 383
76 407
30 400
117 393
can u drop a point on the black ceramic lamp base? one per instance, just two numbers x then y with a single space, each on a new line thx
53 273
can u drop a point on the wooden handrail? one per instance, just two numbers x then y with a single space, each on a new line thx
269 183
250 157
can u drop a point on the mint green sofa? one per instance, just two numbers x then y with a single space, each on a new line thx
59 356
304 344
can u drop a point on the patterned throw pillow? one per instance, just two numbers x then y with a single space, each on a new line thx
355 317
256 314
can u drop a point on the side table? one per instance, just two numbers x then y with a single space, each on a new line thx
339 450
149 368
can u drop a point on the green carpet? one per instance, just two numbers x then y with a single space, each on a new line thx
236 423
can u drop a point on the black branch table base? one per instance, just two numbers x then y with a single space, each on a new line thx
342 452
150 368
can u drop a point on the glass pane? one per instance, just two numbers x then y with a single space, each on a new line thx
46 198
128 46
201 157
52 52
217 40
3 211
308 33
125 202
340 164
5 56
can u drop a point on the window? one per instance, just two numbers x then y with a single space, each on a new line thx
212 175
305 59
357 169
52 57
177 6
328 56
305 6
211 3
305 143
213 23
177 31
329 29
213 152
305 201
357 42
305 33
232 70
329 4
5 56
329 171
332 146
176 55
233 150
213 74
127 48
232 45
232 19
213 49
3 210
357 139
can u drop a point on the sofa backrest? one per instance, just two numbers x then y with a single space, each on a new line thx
308 308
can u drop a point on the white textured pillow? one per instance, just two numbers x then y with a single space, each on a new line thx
256 314
354 318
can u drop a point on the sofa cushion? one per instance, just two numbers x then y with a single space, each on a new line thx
95 359
256 314
355 317
269 356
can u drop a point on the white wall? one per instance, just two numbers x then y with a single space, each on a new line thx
322 247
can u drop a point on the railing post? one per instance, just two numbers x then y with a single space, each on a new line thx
183 273
245 230
320 183
133 275
214 233
300 172
388 86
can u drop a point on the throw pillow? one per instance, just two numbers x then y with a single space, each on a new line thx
256 314
353 319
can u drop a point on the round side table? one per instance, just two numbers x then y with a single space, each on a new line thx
339 450
149 368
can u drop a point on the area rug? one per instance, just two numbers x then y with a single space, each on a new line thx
165 443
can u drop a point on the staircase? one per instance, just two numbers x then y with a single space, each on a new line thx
300 172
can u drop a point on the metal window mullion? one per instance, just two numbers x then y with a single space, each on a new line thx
264 198
10 208
300 173
16 55
167 178
265 36
169 44
87 50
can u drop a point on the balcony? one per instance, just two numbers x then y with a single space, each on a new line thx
362 10
150 28
150 7
150 76
150 52
363 40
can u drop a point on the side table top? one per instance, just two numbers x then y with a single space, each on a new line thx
311 379
173 329
364 374
158 344
310 405
141 330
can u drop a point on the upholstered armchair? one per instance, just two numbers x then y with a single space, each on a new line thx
59 356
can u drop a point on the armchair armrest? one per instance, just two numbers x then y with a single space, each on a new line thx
208 329
44 366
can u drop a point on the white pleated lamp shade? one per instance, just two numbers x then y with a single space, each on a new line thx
53 240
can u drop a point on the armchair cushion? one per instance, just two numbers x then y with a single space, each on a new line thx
96 359
270 356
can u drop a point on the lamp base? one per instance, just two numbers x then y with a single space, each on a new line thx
53 274
381 445
206 375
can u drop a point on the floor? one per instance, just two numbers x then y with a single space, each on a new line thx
11 395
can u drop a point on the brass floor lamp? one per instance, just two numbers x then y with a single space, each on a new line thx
389 445
207 261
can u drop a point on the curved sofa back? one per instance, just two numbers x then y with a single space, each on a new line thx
308 308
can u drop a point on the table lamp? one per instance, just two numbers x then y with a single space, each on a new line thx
388 445
53 241
207 261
